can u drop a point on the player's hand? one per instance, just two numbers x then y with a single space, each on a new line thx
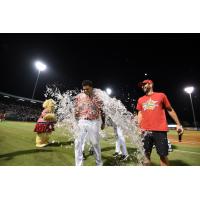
102 126
179 129
142 131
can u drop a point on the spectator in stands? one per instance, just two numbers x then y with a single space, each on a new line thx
15 111
2 116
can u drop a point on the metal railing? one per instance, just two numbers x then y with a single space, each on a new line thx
6 95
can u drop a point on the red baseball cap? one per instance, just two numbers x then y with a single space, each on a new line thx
140 84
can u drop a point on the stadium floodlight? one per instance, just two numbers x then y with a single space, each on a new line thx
189 90
40 67
108 91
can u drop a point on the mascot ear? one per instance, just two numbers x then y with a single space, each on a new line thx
45 104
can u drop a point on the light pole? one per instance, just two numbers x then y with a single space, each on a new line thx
40 67
189 90
108 91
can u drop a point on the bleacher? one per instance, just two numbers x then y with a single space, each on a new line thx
19 108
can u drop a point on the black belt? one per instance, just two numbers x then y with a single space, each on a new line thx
88 119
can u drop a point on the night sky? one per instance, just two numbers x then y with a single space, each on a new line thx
118 61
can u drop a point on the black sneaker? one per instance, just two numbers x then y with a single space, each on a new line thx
115 154
84 157
124 157
91 151
170 150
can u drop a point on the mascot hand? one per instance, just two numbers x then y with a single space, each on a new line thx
50 117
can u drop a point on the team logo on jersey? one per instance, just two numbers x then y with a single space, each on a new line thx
149 104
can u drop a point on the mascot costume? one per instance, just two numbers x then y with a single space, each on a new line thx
45 123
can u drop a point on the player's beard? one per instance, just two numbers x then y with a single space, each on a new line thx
88 93
146 89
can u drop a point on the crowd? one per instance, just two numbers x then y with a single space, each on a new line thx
19 112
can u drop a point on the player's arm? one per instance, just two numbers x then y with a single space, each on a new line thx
174 116
102 114
103 120
139 120
76 109
139 117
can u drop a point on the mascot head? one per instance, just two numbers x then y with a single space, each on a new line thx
49 104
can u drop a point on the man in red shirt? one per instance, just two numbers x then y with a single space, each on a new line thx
152 121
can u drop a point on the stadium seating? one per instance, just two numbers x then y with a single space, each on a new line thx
19 108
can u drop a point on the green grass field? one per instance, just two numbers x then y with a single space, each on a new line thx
17 148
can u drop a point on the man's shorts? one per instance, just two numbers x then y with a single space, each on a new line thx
157 138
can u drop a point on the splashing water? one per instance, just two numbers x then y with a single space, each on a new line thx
65 110
124 119
112 108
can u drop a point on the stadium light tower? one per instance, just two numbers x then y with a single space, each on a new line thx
190 90
108 91
40 67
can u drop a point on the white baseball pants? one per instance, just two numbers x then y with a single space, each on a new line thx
89 129
120 142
